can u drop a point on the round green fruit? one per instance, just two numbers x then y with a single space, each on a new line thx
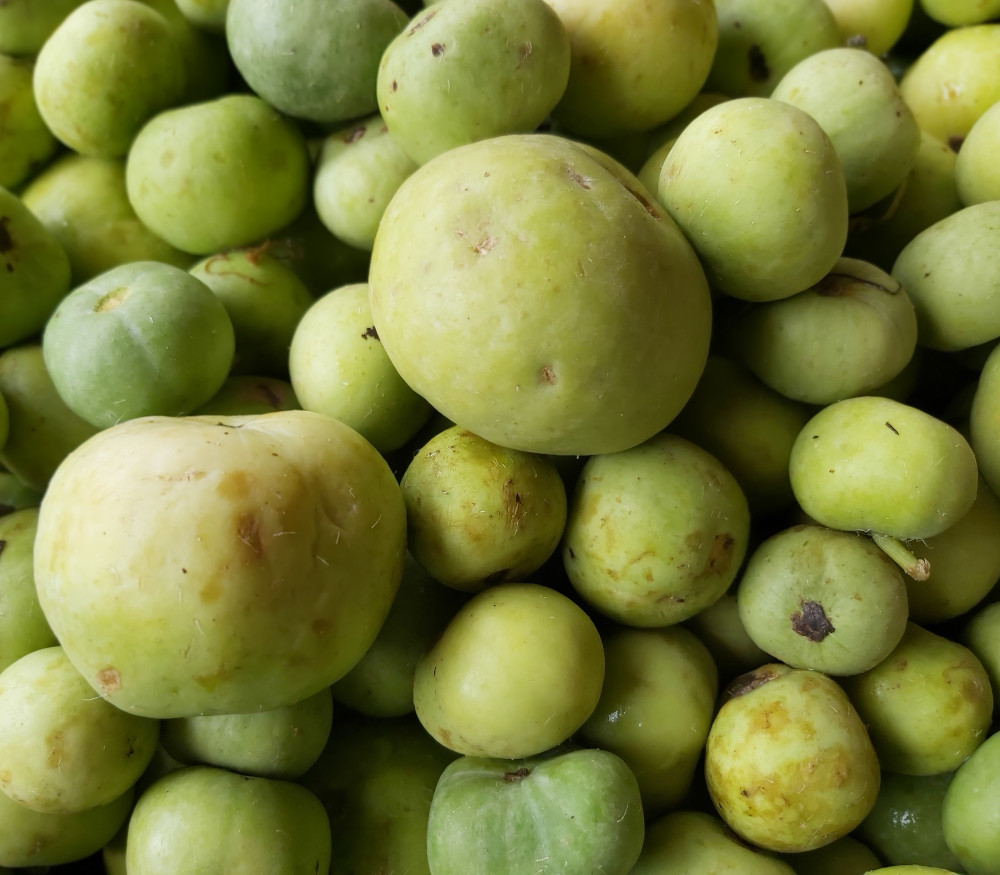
970 811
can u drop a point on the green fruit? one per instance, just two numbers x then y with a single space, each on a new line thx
857 102
265 300
469 70
953 296
83 203
822 599
497 305
108 68
927 706
143 339
623 52
209 15
276 743
27 142
760 42
682 842
847 335
242 394
845 856
876 27
205 819
26 24
261 571
788 762
961 13
338 366
376 779
760 235
721 630
875 464
477 513
655 533
189 169
905 824
65 750
34 271
314 59
984 418
970 813
910 870
976 164
655 709
980 636
515 672
570 810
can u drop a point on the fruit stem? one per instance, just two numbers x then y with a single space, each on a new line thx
898 552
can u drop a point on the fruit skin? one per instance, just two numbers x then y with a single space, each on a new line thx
761 234
874 464
206 819
575 810
984 419
515 672
27 142
970 812
655 533
788 762
26 24
262 571
192 173
505 313
314 59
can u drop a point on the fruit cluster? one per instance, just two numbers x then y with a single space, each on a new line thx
500 436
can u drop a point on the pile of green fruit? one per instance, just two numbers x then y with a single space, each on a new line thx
486 437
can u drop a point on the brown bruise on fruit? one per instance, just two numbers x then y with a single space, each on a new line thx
109 680
720 555
516 775
355 134
811 621
759 71
437 49
370 333
111 300
248 531
420 22
752 680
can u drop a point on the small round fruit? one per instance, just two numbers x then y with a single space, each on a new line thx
970 812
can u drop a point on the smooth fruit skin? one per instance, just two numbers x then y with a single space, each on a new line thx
565 811
219 565
538 299
788 761
27 143
970 812
984 420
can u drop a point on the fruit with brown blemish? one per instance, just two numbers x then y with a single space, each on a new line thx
788 761
656 533
823 599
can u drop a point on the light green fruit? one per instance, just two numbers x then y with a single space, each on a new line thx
847 335
788 763
965 562
244 394
338 366
108 68
760 42
952 293
748 427
314 59
64 749
265 300
984 419
34 271
970 813
927 706
761 235
874 464
206 819
857 102
358 171
469 70
961 13
499 306
905 825
376 779
261 573
27 143
209 15
980 635
655 533
35 838
381 684
143 339
655 709
189 169
948 86
623 52
571 811
515 672
721 630
876 27
908 869
845 856
276 743
479 514
976 174
83 203
23 627
43 430
822 599
26 24
684 841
